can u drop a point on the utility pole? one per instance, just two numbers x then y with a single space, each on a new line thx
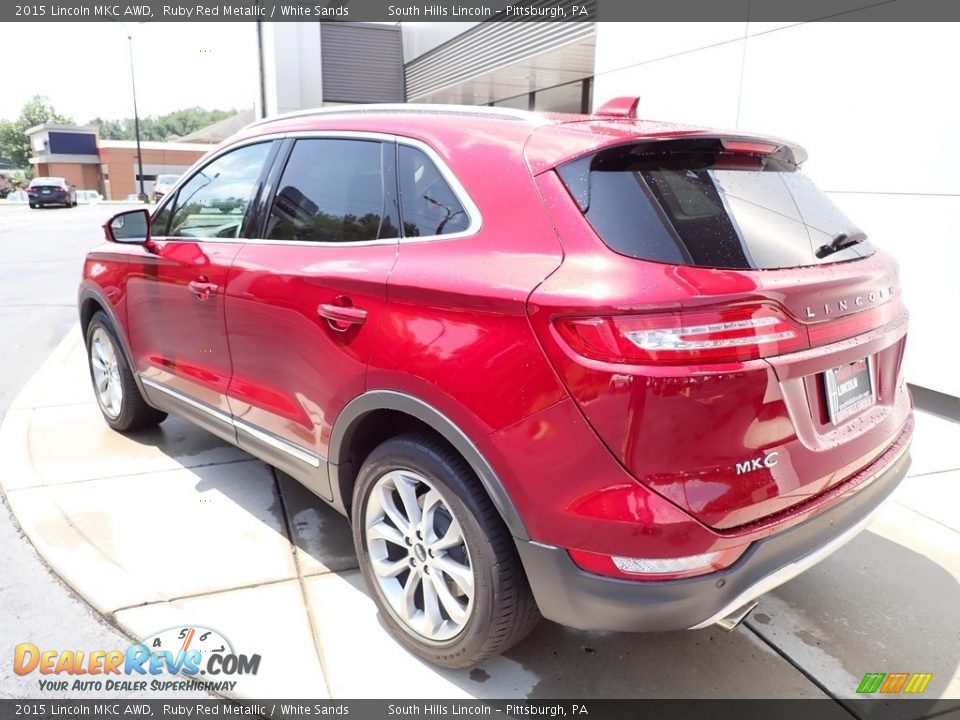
136 118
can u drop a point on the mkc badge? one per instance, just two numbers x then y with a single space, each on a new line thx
767 461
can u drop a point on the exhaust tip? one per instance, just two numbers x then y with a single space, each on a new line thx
731 621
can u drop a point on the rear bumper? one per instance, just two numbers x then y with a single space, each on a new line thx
49 198
568 595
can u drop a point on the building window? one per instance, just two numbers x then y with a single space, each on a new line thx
572 97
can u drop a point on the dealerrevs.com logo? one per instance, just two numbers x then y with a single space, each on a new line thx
894 683
202 656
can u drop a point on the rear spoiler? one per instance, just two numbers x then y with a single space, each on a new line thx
625 108
721 151
760 146
615 123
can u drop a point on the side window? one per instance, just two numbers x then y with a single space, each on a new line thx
427 204
213 202
161 220
334 190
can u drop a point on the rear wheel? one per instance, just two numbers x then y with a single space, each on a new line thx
440 564
118 396
33 206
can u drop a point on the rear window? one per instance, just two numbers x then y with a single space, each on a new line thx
47 181
692 203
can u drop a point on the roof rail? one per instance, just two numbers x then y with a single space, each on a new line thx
412 108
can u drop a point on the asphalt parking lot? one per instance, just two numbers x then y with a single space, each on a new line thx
887 602
41 252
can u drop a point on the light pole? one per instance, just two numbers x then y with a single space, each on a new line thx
136 117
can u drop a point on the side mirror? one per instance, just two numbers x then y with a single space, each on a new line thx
131 226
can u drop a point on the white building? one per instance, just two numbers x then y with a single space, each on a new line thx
872 102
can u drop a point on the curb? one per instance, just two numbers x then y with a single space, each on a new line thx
20 479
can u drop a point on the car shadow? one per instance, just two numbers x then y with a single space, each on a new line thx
874 606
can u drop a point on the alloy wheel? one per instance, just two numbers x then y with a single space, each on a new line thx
419 556
106 373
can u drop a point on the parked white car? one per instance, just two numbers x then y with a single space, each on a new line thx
89 196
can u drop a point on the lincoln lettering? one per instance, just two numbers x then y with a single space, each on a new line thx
871 298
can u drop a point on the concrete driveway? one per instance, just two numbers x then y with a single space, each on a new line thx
171 527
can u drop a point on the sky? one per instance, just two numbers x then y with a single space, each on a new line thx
84 67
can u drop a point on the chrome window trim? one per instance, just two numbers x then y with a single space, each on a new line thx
201 163
463 197
292 449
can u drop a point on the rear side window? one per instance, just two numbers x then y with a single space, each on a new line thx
707 208
428 205
334 190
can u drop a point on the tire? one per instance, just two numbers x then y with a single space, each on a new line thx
33 206
110 370
465 630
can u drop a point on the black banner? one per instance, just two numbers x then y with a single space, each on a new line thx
106 709
478 10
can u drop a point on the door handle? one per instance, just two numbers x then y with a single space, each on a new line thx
202 289
341 317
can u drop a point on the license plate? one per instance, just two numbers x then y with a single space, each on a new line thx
46 192
849 389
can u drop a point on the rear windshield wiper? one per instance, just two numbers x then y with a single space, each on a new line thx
840 241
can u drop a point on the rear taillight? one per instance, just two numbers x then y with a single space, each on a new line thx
730 334
634 568
630 504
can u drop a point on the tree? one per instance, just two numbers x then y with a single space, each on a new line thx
14 144
160 127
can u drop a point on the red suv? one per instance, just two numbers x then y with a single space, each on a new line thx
622 374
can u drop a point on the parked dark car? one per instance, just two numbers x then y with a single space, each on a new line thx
622 374
51 191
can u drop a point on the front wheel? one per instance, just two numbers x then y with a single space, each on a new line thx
440 563
118 396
